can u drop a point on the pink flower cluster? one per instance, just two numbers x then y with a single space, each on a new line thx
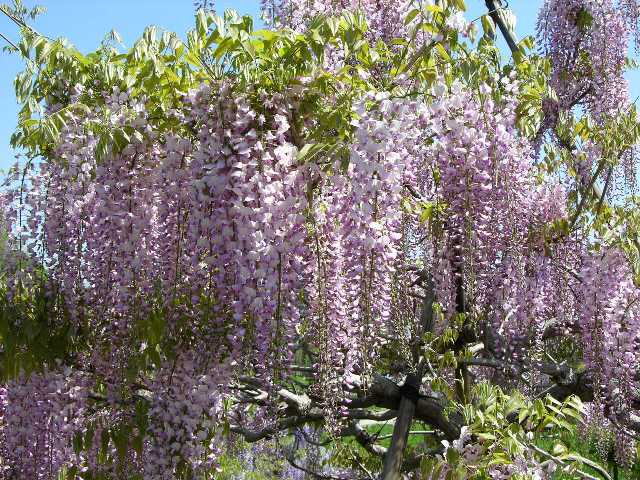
359 231
39 417
216 241
209 230
587 41
610 319
385 17
184 422
247 224
494 218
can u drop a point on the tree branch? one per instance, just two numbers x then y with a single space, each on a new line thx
383 393
8 41
494 7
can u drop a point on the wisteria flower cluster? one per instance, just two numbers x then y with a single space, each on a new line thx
587 43
235 261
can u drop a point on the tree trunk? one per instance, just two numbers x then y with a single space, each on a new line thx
406 410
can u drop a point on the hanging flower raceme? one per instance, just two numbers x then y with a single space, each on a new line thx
358 225
39 416
587 42
96 234
184 425
247 225
609 319
385 18
491 245
211 234
610 327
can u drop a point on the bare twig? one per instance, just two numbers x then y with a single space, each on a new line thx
604 190
8 41
414 432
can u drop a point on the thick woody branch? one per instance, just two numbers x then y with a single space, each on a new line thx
362 414
406 411
383 393
494 7
386 393
365 439
284 424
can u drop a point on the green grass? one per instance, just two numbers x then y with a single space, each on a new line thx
586 448
269 467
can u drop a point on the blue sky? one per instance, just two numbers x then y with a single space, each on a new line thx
85 23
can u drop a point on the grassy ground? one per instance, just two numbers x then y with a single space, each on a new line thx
269 468
587 448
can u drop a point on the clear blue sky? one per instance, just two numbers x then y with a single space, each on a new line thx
85 22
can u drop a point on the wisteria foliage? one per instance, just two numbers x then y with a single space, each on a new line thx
193 221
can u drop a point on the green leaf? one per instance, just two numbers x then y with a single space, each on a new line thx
488 26
411 15
201 23
559 449
584 19
77 443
